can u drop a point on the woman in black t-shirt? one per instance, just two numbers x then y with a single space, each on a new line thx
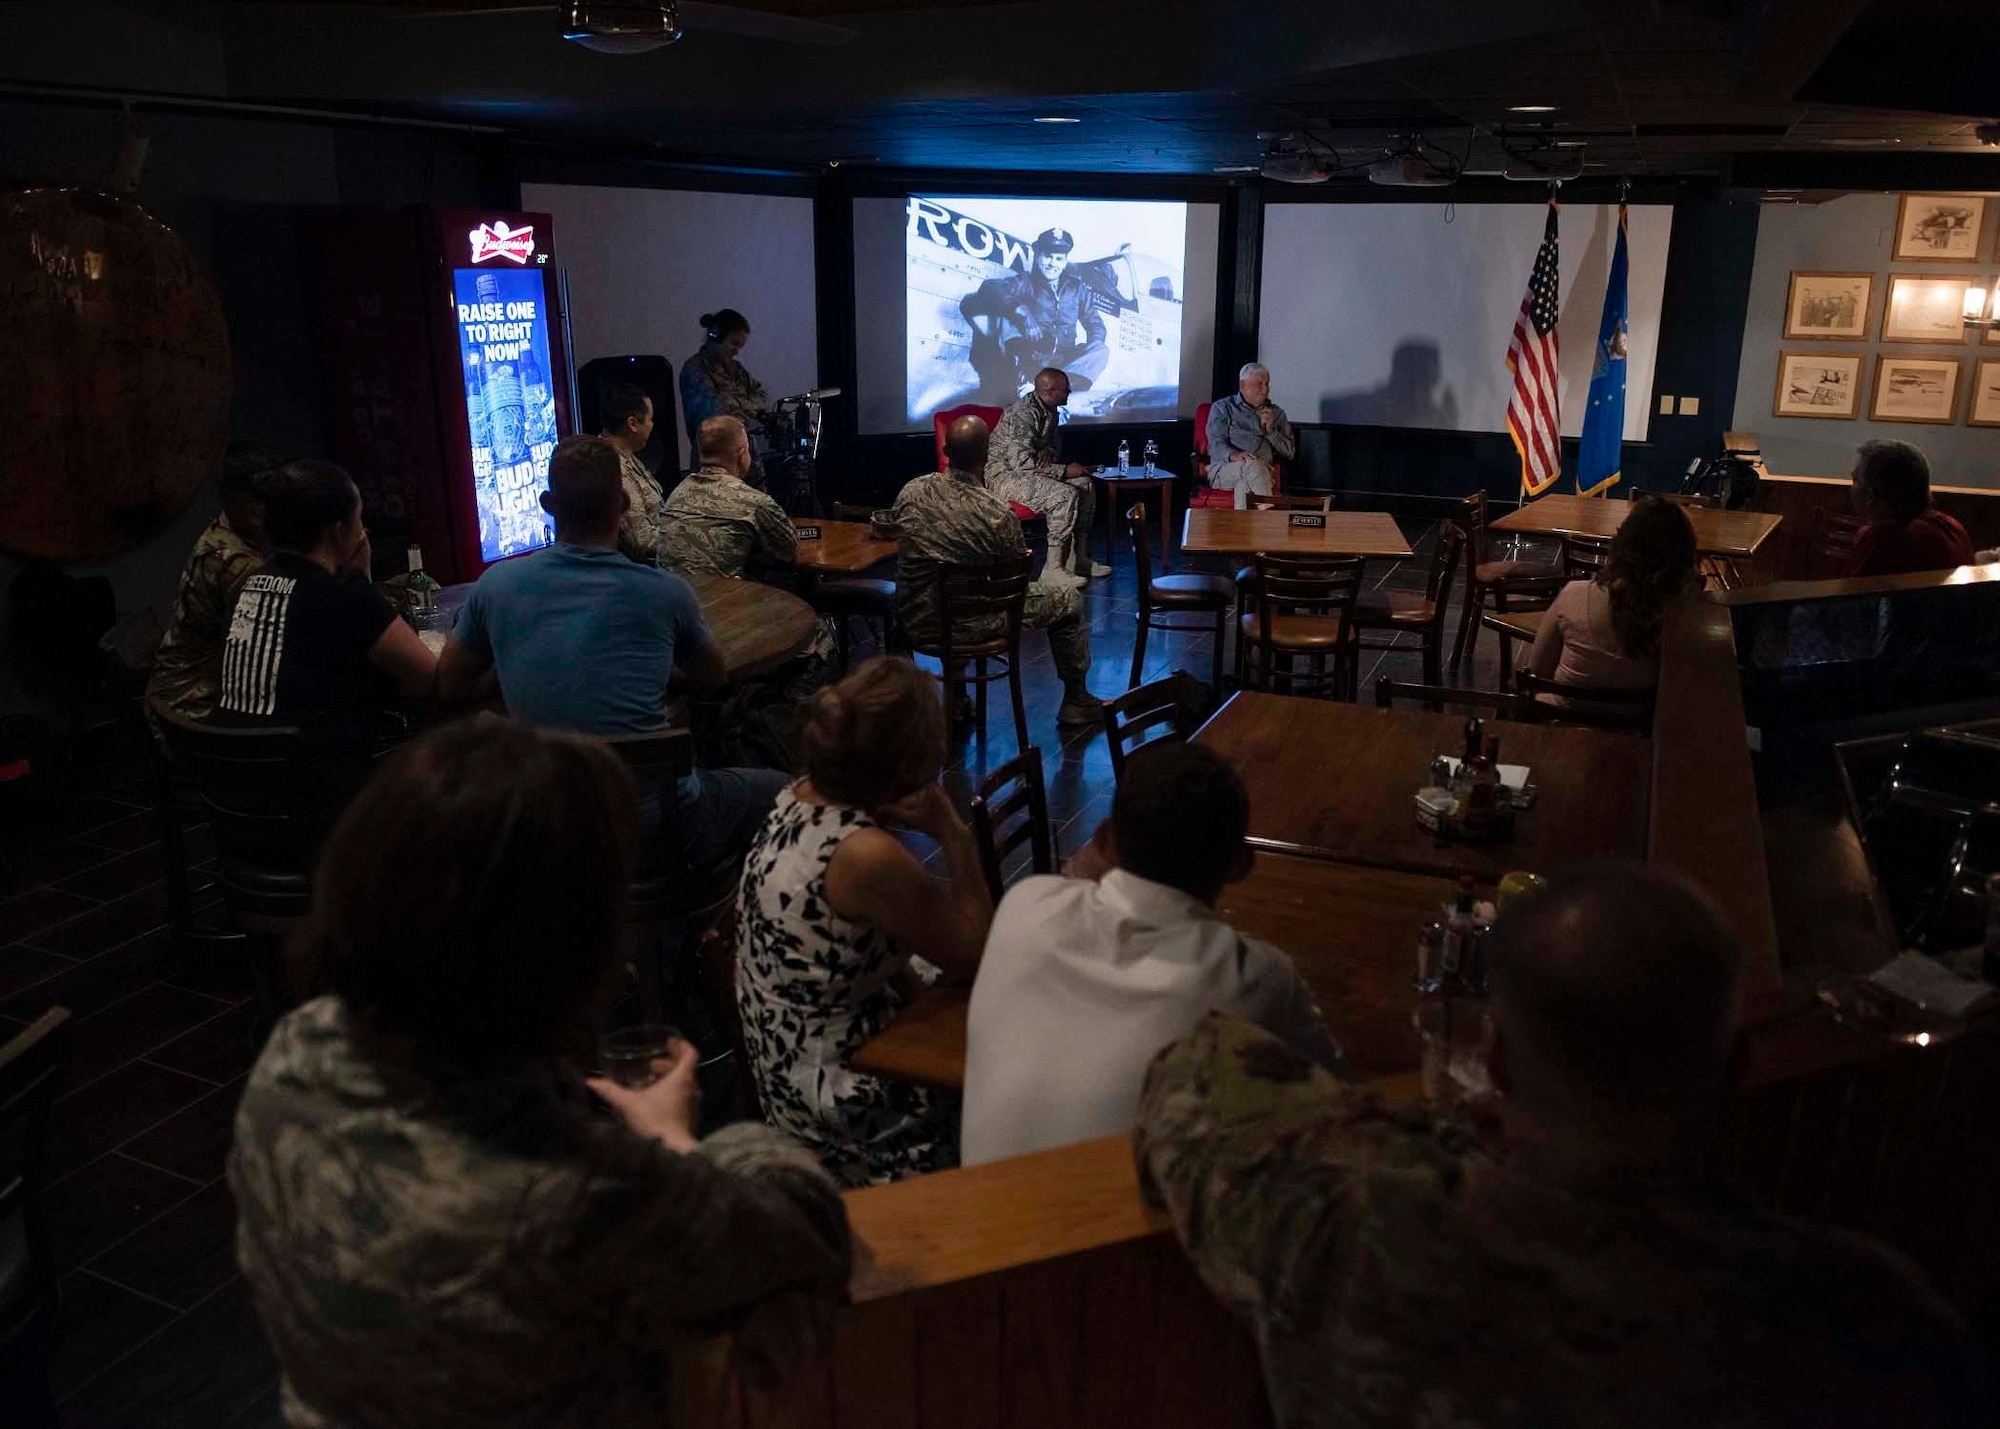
311 642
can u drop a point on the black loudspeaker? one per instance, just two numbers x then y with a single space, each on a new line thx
656 376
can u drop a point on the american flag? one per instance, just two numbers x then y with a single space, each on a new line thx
1534 412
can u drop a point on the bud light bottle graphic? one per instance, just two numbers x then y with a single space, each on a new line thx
479 421
541 408
503 401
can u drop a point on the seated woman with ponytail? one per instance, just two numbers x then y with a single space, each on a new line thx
1605 633
832 910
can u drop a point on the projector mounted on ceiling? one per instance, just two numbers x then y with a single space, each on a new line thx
633 27
1290 166
1410 171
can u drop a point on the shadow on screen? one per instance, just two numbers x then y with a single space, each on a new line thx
1413 396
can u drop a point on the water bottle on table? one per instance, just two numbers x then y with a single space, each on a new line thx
1124 457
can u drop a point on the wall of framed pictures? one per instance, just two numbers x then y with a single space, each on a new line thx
1854 332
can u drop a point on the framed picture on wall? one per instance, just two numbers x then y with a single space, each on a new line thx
1945 227
1925 309
1831 306
1985 408
1818 384
1915 389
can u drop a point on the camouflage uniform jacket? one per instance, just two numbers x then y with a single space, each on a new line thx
639 527
409 1271
716 386
715 523
1024 448
947 518
1397 1271
187 668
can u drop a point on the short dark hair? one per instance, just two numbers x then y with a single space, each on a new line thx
586 479
1618 981
472 897
1894 477
876 737
622 402
243 462
1180 816
305 499
724 321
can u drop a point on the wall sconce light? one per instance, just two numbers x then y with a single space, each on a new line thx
1982 308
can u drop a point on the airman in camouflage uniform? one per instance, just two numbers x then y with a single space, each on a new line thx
409 1271
187 668
714 384
949 518
639 533
1027 468
716 523
1565 1268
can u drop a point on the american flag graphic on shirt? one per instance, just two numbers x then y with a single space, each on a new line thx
1534 411
256 645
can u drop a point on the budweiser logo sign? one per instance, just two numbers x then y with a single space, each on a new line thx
497 240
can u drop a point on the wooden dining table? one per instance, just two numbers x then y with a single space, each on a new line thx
842 548
757 627
1214 530
1350 932
1335 781
1732 535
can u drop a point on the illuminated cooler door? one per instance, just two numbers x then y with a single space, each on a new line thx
510 403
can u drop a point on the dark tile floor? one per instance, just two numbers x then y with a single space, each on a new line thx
155 1330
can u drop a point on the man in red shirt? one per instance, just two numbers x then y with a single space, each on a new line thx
1892 492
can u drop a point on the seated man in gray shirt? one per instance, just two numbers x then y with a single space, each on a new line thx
1247 434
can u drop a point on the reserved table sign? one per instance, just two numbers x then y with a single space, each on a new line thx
806 532
1311 520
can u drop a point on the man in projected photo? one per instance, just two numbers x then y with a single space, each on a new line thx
1026 469
1034 317
1247 434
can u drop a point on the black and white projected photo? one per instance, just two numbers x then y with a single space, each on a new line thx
999 288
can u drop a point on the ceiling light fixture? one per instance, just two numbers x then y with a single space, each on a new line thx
621 27
1531 109
1056 119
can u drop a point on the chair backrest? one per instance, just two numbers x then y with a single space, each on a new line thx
975 598
1521 595
1388 691
1201 430
1833 533
1011 808
271 795
1606 709
1445 556
658 761
1165 709
940 420
1275 502
1471 519
1305 585
1583 557
31 1068
1142 553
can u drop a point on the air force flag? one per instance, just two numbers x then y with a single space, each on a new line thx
1599 454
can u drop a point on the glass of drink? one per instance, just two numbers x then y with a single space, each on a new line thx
628 1053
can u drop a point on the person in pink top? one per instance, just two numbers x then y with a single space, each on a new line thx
1605 633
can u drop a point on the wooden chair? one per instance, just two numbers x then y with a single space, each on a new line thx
1436 697
1630 710
272 796
1165 709
670 903
1305 610
1161 598
31 1070
1833 534
972 598
1011 808
1396 613
1481 570
845 599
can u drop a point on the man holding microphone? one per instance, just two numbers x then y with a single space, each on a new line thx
1247 434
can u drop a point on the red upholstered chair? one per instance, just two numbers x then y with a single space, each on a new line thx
1204 494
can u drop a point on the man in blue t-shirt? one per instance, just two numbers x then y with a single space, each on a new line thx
583 638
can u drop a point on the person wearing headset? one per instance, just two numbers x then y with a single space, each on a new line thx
715 384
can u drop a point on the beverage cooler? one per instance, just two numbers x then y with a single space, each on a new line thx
448 375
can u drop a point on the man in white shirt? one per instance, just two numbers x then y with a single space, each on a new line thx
1084 980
